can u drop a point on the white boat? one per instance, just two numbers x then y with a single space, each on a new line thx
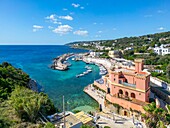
103 72
81 75
87 67
89 70
73 59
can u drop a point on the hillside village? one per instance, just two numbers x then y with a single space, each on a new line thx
153 48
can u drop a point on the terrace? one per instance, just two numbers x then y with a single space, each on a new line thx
129 85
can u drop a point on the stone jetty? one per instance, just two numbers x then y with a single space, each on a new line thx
58 62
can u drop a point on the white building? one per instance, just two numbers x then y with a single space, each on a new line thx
162 50
95 54
129 49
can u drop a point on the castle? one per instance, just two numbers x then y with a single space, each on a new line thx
126 87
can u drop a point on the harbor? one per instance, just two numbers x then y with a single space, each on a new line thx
88 70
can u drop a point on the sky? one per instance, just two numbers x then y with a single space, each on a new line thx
57 22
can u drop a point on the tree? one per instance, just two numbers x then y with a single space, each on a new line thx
49 125
87 126
168 71
155 117
28 103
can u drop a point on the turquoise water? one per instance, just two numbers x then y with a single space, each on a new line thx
35 60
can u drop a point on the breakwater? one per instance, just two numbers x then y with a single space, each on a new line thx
58 62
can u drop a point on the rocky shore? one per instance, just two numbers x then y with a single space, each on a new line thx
33 85
58 62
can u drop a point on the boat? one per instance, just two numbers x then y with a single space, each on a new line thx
81 75
89 70
103 72
87 67
73 59
67 63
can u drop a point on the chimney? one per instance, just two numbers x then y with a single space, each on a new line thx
139 65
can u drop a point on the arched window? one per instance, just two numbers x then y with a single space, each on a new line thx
133 95
120 91
126 94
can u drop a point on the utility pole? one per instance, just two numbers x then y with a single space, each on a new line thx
64 113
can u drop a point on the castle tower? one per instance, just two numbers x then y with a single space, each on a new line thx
139 63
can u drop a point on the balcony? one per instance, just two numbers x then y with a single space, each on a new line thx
127 84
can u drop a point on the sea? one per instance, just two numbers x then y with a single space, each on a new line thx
35 60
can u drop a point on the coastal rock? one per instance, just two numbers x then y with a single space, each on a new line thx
33 85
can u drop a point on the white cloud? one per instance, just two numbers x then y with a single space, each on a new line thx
65 9
71 13
81 32
94 23
81 7
51 17
63 29
99 31
66 17
75 5
36 28
147 16
97 36
161 28
160 11
50 27
57 22
114 29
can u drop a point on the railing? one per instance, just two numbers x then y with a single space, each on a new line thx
128 84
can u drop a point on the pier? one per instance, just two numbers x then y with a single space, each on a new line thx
58 62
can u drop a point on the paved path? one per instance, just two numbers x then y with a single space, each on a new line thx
117 121
106 118
96 95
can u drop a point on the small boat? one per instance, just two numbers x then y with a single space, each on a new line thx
73 59
103 72
81 75
87 67
67 63
86 72
89 70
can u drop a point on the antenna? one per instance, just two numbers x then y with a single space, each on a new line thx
64 113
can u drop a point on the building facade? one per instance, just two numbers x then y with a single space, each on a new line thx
115 54
162 50
128 88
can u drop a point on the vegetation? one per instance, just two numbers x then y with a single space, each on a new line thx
20 106
86 126
168 71
156 117
141 45
106 127
9 78
49 125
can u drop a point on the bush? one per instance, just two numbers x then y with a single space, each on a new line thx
107 127
49 125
